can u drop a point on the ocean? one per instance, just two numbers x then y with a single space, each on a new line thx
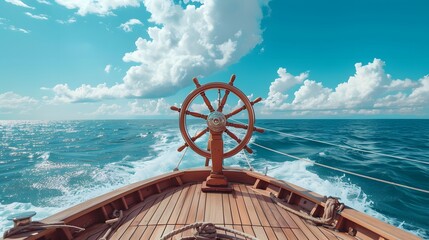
47 166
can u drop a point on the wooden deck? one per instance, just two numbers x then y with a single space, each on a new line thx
244 210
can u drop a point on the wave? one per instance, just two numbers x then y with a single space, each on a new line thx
162 157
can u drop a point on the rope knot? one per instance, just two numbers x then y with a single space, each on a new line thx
332 206
206 231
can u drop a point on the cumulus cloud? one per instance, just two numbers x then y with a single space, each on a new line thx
38 17
280 85
87 93
401 84
369 91
106 109
186 41
139 108
149 107
99 7
19 3
12 101
128 26
108 68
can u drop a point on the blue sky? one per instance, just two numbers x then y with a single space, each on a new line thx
106 59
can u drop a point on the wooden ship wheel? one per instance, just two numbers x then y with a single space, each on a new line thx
217 124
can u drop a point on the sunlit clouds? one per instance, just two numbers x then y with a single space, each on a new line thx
369 91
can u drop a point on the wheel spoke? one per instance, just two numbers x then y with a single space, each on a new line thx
194 138
233 136
225 97
195 114
203 95
238 110
242 126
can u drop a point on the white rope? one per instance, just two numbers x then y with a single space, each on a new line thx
343 171
180 160
199 224
248 161
342 146
183 155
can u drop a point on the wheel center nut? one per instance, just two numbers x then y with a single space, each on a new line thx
216 121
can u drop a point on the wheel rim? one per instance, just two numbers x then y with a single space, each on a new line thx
201 89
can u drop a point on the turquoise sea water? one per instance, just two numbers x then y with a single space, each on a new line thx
49 166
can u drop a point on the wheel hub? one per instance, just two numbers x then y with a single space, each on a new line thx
216 121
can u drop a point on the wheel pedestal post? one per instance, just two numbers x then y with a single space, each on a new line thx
216 181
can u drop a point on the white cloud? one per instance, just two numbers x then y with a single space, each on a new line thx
39 17
68 21
401 84
105 109
16 29
108 68
12 101
19 3
44 2
420 95
128 26
369 91
281 85
139 108
186 42
149 107
86 93
99 7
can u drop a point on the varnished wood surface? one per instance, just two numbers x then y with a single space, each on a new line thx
243 210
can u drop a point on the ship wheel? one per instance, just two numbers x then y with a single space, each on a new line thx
217 124
217 121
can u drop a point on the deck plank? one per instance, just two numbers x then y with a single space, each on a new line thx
254 219
201 207
257 207
290 234
192 215
260 233
145 220
157 232
127 219
147 204
270 233
244 210
316 231
303 227
161 209
168 229
298 233
273 217
248 229
279 233
138 232
187 205
170 207
128 232
148 232
227 214
214 208
285 215
175 214
244 216
234 209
